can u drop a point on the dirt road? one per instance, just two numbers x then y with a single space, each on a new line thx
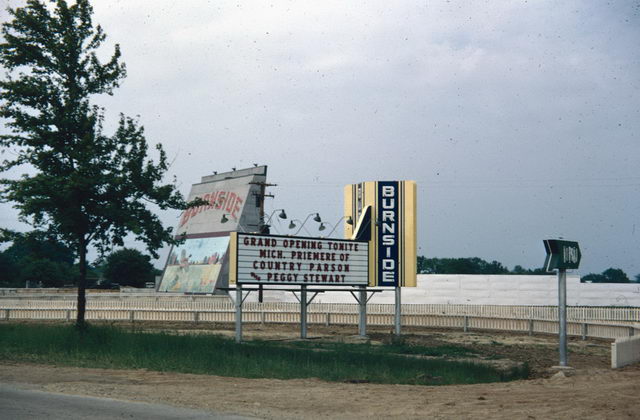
595 394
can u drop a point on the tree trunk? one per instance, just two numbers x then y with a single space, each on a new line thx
82 282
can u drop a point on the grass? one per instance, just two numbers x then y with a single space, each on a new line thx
110 347
392 348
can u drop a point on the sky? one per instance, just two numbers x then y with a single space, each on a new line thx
519 120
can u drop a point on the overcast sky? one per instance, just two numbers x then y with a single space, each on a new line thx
519 120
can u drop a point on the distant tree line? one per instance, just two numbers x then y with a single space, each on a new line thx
34 259
38 260
475 265
610 275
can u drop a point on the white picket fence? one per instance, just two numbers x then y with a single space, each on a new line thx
597 322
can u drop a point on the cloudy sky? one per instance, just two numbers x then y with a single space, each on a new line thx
519 120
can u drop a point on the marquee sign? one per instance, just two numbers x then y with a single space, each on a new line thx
388 210
273 259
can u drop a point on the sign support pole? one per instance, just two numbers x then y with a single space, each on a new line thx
362 322
398 315
303 311
562 314
238 313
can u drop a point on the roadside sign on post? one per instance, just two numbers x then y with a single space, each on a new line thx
562 255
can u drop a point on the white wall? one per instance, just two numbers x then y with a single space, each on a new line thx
625 351
491 290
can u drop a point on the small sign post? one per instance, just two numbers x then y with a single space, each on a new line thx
562 255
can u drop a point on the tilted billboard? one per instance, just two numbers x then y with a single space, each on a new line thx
200 264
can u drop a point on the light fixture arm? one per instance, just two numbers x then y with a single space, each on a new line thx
282 215
349 222
316 219
225 219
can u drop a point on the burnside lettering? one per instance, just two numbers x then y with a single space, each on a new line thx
389 233
227 201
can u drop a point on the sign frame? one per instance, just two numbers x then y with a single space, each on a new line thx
561 254
234 265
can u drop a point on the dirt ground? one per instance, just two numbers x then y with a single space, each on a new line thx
591 390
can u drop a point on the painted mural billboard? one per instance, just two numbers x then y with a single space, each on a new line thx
200 263
386 215
195 265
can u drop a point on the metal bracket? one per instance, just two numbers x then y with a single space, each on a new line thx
312 297
243 298
373 292
246 296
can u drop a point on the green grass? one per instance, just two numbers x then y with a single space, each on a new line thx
110 347
392 348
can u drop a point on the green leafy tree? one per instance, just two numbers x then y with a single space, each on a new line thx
39 245
472 265
37 258
610 275
128 267
9 276
45 272
593 278
615 275
84 186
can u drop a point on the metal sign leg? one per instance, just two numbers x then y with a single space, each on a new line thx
303 311
362 322
398 316
238 313
562 315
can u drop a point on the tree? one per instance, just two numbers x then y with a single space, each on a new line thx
84 187
128 267
36 258
593 278
9 272
39 245
472 265
44 272
610 275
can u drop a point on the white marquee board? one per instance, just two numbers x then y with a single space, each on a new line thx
273 259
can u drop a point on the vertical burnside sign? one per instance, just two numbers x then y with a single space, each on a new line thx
388 209
388 234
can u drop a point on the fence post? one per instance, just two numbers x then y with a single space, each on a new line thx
531 327
328 319
6 314
466 323
262 317
68 315
631 331
196 317
584 330
131 316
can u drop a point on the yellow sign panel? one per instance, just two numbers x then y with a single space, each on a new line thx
384 213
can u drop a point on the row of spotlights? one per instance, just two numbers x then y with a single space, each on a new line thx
292 225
